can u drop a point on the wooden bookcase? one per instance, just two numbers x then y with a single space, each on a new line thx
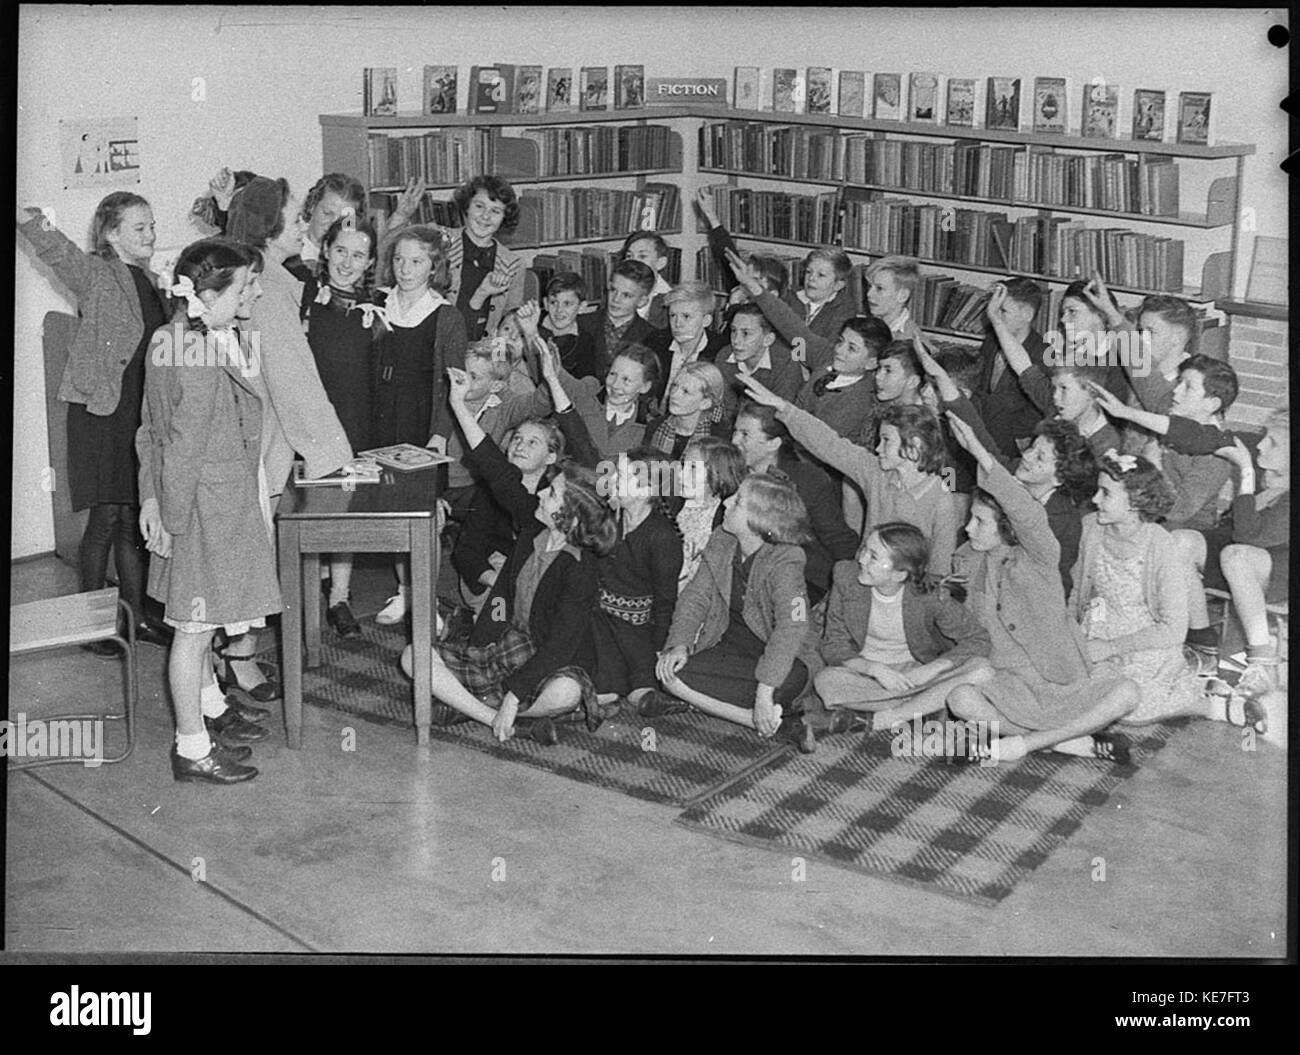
344 140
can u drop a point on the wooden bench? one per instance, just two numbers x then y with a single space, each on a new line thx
78 619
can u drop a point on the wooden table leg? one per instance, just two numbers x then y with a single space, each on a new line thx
291 630
311 601
423 548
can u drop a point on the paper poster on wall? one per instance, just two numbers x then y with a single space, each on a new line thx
100 153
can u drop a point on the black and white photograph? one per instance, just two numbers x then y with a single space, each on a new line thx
787 529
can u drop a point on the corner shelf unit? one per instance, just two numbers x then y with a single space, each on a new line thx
518 157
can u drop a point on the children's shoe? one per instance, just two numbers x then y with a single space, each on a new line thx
1110 748
1203 663
393 612
846 721
656 704
342 621
1259 677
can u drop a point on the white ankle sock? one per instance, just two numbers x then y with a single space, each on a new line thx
337 596
193 745
212 701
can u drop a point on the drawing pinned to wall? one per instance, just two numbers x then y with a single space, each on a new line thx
100 153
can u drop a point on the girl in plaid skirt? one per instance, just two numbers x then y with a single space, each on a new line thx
531 646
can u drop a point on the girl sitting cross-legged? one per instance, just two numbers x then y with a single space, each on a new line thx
1131 598
531 644
732 650
895 642
1041 691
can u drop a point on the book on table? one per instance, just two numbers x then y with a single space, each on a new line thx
360 470
405 457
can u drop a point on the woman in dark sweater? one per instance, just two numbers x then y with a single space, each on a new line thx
531 646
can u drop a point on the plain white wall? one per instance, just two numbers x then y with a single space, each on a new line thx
267 73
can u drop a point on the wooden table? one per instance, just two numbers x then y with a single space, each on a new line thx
392 516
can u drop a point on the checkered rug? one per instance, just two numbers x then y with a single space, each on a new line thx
676 760
961 830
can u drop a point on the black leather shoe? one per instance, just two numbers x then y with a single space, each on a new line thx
794 730
656 704
154 634
217 768
232 729
246 710
234 752
264 693
342 621
540 730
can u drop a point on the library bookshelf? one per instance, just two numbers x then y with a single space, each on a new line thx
975 201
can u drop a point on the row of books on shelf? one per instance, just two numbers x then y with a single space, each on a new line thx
505 88
918 99
805 218
453 155
605 149
554 215
1146 185
1054 245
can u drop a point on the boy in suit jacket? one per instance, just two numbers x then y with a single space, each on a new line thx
619 325
650 249
752 352
688 338
1007 410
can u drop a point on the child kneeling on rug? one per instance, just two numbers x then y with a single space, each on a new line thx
732 650
1041 691
531 645
896 642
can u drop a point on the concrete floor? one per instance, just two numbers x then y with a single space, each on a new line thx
394 848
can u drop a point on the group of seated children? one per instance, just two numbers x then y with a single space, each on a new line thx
801 518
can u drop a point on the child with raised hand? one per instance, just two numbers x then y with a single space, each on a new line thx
895 642
531 646
202 514
1057 468
712 470
343 324
834 363
1041 690
742 620
997 393
612 414
426 335
120 308
901 480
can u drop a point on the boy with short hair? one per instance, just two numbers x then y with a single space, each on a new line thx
890 284
842 392
650 249
825 299
564 294
620 324
688 338
752 353
1008 413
